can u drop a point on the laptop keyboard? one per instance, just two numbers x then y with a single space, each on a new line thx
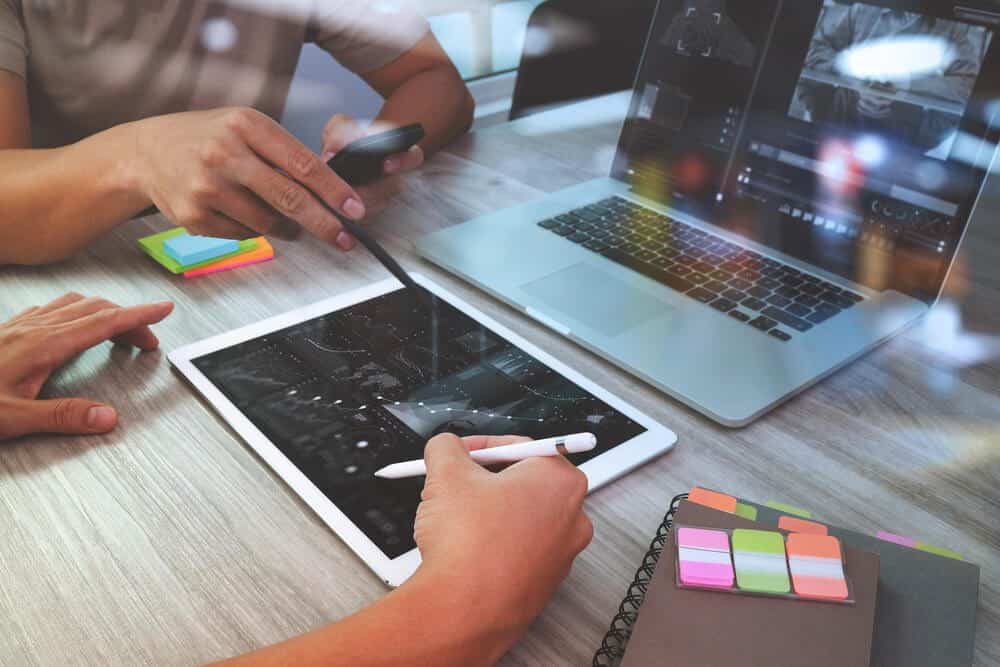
767 295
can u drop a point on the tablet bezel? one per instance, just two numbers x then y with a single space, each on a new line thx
600 470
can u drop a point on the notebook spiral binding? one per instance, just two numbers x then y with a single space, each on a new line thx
616 639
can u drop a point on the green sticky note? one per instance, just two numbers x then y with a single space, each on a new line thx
759 561
746 511
788 509
153 246
940 551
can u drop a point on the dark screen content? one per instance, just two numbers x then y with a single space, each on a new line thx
696 78
350 392
855 151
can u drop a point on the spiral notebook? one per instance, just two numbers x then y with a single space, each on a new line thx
926 597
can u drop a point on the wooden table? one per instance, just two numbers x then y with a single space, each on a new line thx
168 542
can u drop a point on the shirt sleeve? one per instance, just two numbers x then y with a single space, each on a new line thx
13 44
364 35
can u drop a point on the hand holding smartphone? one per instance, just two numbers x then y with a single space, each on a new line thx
361 162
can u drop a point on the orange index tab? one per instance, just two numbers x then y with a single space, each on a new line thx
816 565
713 499
796 525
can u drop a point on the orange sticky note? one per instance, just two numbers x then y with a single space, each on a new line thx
263 253
796 525
816 566
713 499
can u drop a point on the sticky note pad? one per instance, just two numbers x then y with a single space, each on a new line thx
713 499
795 525
940 551
788 509
817 566
897 539
703 557
746 511
263 253
187 250
153 246
759 560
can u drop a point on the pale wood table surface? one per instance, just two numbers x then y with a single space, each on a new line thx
168 542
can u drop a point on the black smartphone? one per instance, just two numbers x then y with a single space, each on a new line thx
363 161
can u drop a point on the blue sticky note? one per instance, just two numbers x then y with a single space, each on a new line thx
187 249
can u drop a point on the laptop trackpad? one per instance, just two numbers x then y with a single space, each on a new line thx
600 301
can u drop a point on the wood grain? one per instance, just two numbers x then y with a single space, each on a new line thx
169 543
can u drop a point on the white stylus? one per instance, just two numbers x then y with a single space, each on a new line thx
566 444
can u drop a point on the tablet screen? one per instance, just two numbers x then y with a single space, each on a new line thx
347 393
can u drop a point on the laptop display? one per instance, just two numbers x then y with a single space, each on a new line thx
852 135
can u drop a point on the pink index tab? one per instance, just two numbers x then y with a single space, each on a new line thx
898 539
702 538
703 558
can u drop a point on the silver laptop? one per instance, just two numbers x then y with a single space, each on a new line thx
790 187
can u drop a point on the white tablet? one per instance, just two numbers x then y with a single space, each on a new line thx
329 393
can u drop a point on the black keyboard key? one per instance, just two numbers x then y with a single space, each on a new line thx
798 310
810 288
806 300
596 246
788 279
567 219
565 230
769 283
751 276
645 255
778 300
820 316
856 298
734 295
771 271
704 267
719 274
787 291
842 301
753 304
753 265
587 215
697 278
780 335
723 305
732 267
577 237
740 284
701 294
686 260
661 262
828 296
548 224
717 286
759 292
629 248
648 270
763 323
787 319
739 315
680 269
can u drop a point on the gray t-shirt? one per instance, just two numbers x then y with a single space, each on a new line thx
94 64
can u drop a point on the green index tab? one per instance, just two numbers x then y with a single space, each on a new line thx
759 561
153 246
746 511
940 551
788 509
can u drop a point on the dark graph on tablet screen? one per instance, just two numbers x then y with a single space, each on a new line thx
347 393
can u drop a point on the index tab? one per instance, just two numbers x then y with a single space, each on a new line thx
788 509
713 499
817 566
759 560
795 525
939 551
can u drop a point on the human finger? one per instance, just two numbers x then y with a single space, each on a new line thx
75 416
474 442
444 454
56 304
403 162
338 132
244 207
72 338
280 149
219 225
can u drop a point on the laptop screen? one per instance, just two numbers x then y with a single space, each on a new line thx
852 135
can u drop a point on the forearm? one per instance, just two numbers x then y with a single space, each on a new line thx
438 100
56 201
429 620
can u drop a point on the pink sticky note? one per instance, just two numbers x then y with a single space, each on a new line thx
898 539
703 558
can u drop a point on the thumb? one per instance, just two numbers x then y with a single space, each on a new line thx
74 416
445 455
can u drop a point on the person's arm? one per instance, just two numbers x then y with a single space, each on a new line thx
494 547
226 172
